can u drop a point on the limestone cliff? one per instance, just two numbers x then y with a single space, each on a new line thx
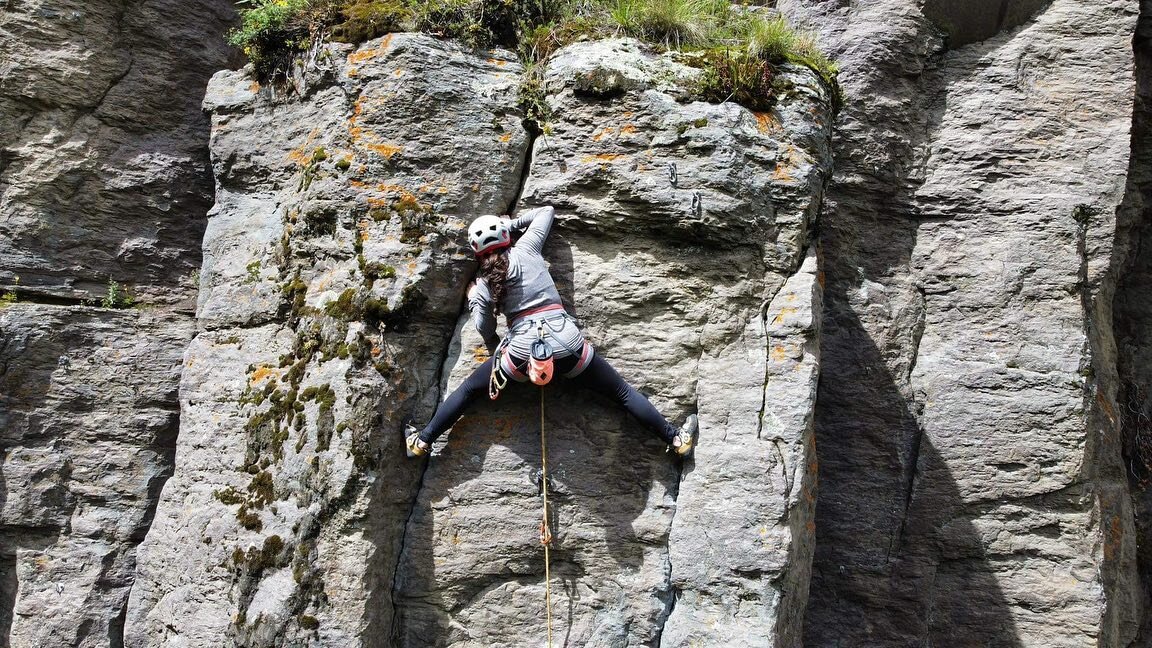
914 331
967 420
103 178
333 281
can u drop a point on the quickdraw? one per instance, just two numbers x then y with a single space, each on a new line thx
497 380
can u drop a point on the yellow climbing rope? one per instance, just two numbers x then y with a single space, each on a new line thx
545 532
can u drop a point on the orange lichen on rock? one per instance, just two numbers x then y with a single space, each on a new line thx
784 312
506 137
407 202
1113 538
385 149
627 129
302 155
480 353
599 134
765 122
362 55
1106 407
262 372
254 87
601 157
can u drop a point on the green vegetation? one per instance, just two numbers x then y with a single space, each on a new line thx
740 44
253 270
10 297
117 296
312 168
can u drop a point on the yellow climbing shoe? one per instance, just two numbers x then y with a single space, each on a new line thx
686 436
414 446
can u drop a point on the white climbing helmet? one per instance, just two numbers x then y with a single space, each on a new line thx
489 233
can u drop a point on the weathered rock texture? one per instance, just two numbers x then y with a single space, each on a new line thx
103 175
971 489
102 144
89 432
1133 314
670 278
982 411
333 280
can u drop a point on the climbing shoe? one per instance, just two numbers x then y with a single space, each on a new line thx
686 436
412 443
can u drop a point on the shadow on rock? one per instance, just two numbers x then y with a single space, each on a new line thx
473 552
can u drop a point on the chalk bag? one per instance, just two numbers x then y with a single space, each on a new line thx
540 366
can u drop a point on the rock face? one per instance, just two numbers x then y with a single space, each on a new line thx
103 164
89 431
103 175
956 330
333 283
966 418
682 225
1132 321
330 293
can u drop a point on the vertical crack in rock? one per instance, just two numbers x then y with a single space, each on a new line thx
121 16
116 626
1131 317
525 170
446 364
396 630
8 589
763 316
915 440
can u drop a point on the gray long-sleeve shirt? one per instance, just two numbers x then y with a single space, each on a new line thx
529 285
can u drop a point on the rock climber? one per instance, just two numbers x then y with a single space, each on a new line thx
543 339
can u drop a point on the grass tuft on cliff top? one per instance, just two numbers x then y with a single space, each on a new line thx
740 45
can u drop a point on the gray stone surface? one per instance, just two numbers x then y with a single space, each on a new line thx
103 163
970 482
978 396
103 175
648 552
359 190
698 292
88 427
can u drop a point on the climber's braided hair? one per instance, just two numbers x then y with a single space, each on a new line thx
494 271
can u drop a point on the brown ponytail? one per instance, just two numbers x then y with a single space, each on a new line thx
494 271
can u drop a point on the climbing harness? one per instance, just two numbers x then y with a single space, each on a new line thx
540 367
545 530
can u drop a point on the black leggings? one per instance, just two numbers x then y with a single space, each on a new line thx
599 376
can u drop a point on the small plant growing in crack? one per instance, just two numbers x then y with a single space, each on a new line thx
10 297
117 296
